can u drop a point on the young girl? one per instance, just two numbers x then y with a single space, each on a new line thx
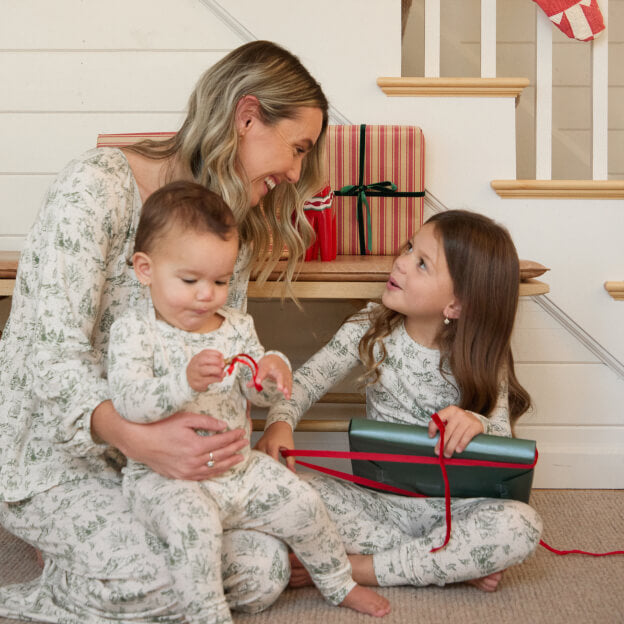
438 342
167 357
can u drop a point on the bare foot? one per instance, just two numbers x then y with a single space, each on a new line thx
487 583
366 600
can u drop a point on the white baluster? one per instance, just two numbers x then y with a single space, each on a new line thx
488 38
543 98
600 99
432 38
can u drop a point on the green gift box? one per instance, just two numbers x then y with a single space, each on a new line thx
489 467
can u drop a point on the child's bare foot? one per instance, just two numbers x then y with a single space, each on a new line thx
366 600
487 583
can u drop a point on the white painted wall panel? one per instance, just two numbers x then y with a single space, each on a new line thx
346 45
100 81
549 345
530 315
114 24
580 240
580 457
45 142
570 394
20 198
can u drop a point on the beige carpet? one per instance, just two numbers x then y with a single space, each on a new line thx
547 589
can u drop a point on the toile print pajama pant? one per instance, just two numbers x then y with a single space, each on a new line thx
262 495
102 566
487 534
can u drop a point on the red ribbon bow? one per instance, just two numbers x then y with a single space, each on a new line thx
243 358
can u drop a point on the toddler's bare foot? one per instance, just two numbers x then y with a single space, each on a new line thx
487 583
366 600
299 576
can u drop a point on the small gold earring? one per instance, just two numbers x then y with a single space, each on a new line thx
447 321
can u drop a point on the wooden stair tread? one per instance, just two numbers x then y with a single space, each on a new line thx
357 277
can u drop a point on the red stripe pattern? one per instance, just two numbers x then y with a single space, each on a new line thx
394 153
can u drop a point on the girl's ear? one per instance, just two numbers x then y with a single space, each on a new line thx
142 267
453 309
247 111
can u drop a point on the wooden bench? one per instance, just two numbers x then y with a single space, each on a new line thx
346 278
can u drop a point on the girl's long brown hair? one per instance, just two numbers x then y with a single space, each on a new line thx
483 264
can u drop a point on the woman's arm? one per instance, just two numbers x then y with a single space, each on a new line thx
81 231
171 447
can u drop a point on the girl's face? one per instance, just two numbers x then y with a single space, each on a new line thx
188 275
270 155
420 287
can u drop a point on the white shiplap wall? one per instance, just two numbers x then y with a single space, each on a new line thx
74 68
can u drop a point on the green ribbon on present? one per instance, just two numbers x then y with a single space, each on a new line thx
361 191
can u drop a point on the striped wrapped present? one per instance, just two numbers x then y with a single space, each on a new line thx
377 174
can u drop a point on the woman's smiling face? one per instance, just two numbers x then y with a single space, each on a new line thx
272 154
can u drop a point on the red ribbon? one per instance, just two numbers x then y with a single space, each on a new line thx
411 459
243 358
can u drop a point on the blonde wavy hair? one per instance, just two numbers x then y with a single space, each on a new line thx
207 145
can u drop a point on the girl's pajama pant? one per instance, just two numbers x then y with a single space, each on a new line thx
487 534
102 566
261 495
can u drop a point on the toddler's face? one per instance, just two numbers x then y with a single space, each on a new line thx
188 275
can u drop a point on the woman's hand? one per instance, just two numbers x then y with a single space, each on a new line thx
275 368
460 427
172 447
278 436
205 368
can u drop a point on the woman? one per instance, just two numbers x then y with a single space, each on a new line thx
254 130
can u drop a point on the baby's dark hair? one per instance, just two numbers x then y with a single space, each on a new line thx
186 205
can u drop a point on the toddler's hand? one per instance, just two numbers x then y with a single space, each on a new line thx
205 368
274 367
461 427
278 436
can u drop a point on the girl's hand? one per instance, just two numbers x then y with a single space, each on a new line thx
204 369
461 427
172 447
278 436
275 368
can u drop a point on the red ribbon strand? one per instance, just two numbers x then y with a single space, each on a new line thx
246 359
411 459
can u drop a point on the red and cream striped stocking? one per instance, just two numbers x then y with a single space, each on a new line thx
578 19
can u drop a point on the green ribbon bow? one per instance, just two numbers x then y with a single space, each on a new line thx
361 191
